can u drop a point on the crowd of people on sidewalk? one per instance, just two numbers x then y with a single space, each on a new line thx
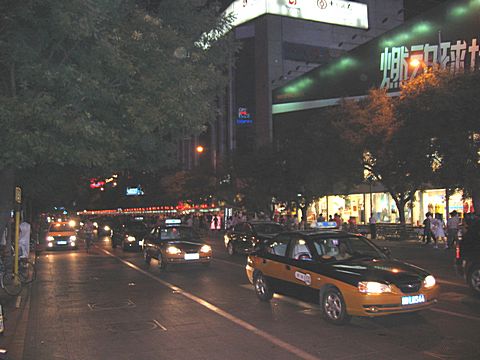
435 230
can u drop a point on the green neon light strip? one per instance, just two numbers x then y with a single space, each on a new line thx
314 104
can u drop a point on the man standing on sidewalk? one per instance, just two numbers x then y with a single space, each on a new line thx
452 229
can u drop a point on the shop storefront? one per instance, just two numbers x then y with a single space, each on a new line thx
384 209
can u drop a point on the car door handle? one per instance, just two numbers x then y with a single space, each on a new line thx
287 267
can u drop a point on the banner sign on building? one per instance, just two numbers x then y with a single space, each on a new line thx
402 63
448 36
338 12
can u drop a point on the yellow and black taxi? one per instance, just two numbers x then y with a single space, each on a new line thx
61 235
173 243
348 274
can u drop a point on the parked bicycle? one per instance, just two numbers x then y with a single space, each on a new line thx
13 283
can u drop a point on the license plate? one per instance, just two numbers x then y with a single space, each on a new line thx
195 256
61 242
411 300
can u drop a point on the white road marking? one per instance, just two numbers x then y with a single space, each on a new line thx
159 325
274 340
448 312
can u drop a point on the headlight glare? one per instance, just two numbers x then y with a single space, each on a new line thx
173 250
73 238
131 239
106 228
429 282
373 287
205 249
50 238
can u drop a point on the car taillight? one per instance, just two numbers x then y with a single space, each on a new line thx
457 252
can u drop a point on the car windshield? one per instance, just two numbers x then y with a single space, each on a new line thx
267 228
343 248
61 227
178 233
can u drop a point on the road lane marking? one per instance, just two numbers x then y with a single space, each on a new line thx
274 340
446 282
448 312
159 325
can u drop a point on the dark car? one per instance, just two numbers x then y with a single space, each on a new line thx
347 274
468 261
175 244
129 235
104 226
244 237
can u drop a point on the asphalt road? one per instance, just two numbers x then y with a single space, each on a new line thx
108 304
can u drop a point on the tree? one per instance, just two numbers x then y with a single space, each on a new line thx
447 105
391 149
110 84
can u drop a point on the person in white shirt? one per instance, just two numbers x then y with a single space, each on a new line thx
453 224
24 240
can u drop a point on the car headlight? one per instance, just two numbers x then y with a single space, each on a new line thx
72 244
173 250
205 249
131 238
429 282
73 238
373 287
50 238
106 228
72 223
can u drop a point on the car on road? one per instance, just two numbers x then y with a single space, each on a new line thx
345 273
174 243
468 261
61 235
129 235
104 226
244 237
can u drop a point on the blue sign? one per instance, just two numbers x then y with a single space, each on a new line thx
137 191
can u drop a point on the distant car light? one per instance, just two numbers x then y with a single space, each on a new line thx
205 249
131 239
173 250
50 244
72 244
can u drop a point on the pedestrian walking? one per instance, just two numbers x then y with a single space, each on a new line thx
453 224
427 229
373 226
438 229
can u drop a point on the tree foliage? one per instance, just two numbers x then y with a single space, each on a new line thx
107 84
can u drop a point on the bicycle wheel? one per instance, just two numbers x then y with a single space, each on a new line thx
27 272
12 284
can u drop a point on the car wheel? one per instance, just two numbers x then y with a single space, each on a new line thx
262 287
230 249
162 264
147 258
473 279
333 307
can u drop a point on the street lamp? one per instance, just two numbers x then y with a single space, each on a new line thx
199 149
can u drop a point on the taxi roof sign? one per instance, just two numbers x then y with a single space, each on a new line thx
326 225
173 222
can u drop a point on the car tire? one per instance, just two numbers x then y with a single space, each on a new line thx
230 248
333 306
473 279
147 258
263 288
162 264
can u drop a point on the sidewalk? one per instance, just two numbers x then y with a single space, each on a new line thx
14 309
